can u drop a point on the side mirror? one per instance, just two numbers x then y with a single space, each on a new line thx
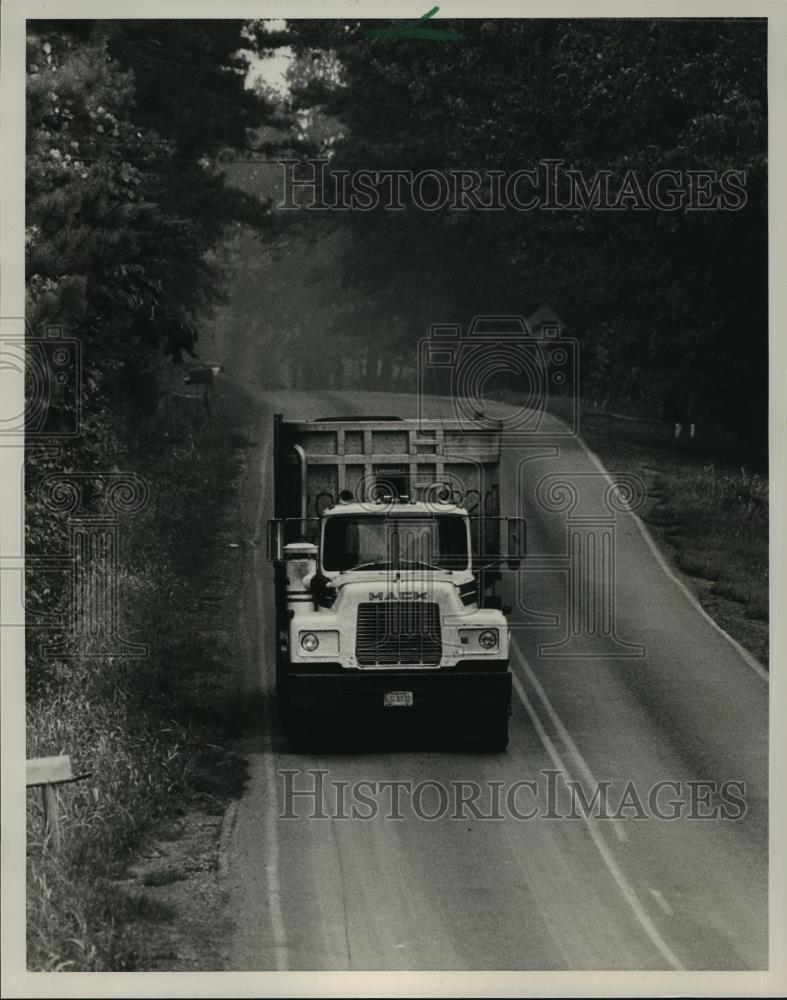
517 542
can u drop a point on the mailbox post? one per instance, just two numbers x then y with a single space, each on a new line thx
47 773
204 376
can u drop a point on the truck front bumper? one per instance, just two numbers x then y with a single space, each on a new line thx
474 688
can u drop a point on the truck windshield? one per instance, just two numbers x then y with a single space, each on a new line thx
391 542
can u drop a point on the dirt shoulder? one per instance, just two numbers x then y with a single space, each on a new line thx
174 898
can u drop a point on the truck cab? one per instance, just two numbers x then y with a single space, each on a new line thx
382 598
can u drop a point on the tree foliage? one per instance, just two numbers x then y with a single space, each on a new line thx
123 196
126 201
670 306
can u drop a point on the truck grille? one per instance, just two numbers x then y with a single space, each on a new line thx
398 632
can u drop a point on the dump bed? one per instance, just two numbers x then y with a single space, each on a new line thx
318 462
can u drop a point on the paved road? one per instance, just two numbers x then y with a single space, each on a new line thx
664 698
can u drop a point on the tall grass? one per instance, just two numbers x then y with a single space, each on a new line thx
137 775
710 517
138 726
723 535
741 497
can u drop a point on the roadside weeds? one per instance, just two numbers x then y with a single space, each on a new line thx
710 519
135 886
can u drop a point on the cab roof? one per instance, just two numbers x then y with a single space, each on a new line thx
395 508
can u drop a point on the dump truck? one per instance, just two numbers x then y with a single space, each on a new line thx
387 545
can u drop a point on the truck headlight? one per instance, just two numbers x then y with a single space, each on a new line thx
488 639
324 642
309 641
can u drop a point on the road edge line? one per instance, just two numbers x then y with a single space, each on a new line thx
280 946
227 825
273 884
564 734
626 889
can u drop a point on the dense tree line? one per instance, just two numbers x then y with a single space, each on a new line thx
670 306
126 203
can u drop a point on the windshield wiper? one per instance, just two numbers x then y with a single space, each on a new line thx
366 565
401 564
425 565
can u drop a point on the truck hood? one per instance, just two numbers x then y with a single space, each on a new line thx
440 588
389 576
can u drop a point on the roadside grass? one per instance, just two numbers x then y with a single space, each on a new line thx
731 509
710 518
706 507
154 733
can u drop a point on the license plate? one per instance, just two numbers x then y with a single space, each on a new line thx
397 699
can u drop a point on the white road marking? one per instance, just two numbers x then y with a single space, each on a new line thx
572 748
271 811
225 836
664 906
272 852
620 832
745 655
601 846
